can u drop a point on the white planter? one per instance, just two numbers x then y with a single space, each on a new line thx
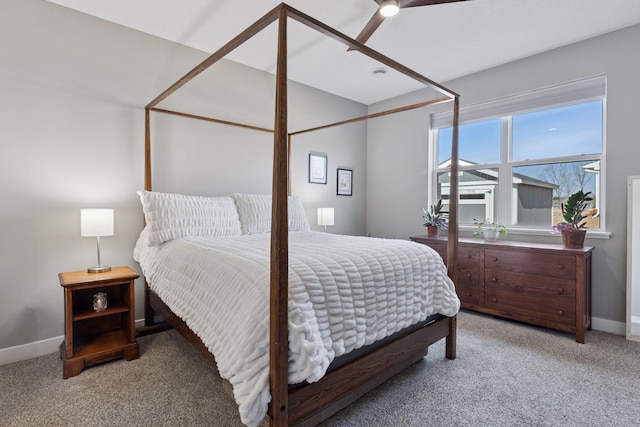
490 234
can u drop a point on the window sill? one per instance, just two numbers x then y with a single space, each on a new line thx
591 234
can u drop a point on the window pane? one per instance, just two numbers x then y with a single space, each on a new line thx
539 190
478 194
479 143
558 132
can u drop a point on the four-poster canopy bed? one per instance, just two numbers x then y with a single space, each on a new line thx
355 373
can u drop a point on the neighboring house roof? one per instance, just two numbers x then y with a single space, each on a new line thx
518 178
593 167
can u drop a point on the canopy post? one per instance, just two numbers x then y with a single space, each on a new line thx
147 150
452 246
288 164
279 320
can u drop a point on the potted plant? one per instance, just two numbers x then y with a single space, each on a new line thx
489 230
573 227
435 219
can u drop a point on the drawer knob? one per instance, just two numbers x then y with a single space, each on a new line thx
468 256
495 258
494 299
468 294
561 313
561 290
561 266
469 275
494 279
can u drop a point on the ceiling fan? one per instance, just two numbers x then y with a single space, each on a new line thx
389 8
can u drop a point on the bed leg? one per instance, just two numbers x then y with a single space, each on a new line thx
450 351
150 324
148 311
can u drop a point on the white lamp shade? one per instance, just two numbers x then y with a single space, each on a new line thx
96 222
325 216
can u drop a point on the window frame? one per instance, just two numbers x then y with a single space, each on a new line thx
507 209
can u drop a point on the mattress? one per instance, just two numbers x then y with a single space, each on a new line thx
345 292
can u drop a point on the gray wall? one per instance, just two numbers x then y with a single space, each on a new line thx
613 54
397 179
72 92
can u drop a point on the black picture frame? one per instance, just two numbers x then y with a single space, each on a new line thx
317 168
344 182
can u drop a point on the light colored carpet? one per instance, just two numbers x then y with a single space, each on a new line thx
506 374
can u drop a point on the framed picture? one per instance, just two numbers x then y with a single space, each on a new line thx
317 168
345 182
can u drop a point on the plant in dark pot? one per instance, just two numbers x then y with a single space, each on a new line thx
573 227
435 219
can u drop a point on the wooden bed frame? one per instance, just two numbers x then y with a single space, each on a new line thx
355 374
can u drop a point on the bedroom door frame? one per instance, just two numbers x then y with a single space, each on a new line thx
633 258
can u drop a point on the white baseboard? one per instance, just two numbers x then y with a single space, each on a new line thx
27 351
35 349
52 345
610 326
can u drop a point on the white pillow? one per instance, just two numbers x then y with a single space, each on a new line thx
255 213
170 216
298 220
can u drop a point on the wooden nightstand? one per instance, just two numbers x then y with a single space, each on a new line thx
94 337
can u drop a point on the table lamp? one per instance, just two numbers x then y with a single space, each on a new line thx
96 223
325 217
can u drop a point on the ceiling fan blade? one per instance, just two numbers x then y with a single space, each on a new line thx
415 3
370 28
377 18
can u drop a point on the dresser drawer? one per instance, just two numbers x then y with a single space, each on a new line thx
540 264
541 301
548 287
468 276
468 295
468 285
468 256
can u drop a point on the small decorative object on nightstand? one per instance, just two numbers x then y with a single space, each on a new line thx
100 301
98 318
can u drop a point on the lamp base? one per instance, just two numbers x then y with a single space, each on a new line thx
99 269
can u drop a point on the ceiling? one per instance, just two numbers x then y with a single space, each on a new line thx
441 42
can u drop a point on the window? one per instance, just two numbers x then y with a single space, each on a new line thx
521 157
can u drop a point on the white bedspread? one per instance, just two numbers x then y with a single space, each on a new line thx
344 292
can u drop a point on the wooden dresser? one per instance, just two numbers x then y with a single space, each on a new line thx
542 284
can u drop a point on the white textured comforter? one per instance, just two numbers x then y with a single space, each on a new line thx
344 292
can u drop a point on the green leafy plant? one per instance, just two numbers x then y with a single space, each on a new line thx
435 217
573 211
486 224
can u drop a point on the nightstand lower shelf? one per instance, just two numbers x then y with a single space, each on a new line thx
95 349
